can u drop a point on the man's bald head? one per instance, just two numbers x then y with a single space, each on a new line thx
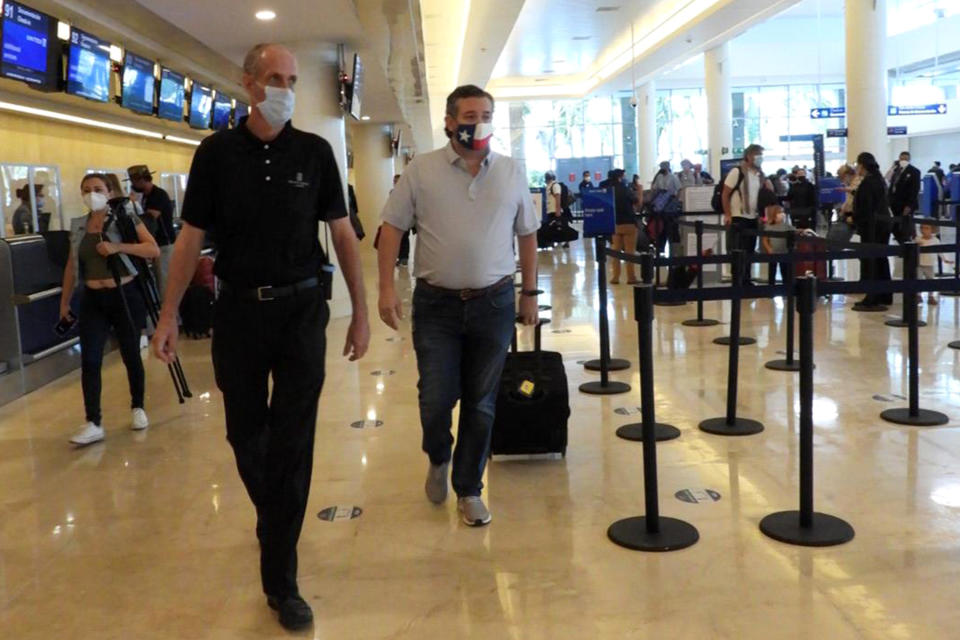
262 55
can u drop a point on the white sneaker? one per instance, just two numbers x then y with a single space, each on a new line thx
88 434
139 421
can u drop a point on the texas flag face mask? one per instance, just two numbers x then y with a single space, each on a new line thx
475 136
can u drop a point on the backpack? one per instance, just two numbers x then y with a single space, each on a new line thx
566 199
717 200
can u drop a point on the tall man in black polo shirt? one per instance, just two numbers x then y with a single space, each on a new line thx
265 187
158 211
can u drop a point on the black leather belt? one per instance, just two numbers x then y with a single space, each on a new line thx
267 293
466 294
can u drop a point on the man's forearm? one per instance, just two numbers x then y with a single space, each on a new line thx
527 246
389 249
345 244
183 264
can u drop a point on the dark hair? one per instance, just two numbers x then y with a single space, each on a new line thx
752 150
868 162
586 173
465 91
95 176
905 153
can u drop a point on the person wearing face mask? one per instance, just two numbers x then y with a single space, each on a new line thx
98 257
871 216
687 176
904 196
158 212
741 201
802 197
665 180
22 219
471 206
265 187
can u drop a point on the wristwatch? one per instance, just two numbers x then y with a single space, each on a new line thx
530 293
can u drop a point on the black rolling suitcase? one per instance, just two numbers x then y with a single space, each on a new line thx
533 403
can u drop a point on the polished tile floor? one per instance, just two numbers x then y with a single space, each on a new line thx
151 535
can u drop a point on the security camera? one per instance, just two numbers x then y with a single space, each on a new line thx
634 102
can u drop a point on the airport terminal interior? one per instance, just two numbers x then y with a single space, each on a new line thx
147 532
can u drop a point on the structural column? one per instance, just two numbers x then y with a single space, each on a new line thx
719 105
373 170
866 37
318 111
647 131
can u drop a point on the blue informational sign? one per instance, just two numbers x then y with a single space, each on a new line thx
896 131
828 112
938 109
26 45
88 67
837 133
599 213
831 191
201 106
804 137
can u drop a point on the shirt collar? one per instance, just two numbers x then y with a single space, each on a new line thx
280 141
455 158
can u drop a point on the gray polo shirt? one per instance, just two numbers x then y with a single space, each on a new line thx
465 225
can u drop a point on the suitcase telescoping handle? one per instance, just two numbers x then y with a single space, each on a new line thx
536 335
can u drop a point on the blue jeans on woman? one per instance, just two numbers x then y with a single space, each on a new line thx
461 346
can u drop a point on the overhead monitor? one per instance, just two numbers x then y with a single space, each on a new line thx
30 47
170 105
356 93
222 108
88 67
139 84
201 106
242 110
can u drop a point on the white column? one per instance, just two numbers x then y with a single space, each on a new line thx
647 161
318 111
373 170
716 64
866 37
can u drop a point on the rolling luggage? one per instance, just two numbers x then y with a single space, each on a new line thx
533 403
203 276
555 231
810 244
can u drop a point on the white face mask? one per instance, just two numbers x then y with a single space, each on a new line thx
40 203
95 201
757 161
278 106
904 164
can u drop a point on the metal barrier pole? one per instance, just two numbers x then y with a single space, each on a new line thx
603 387
789 364
700 321
650 532
913 415
910 268
806 527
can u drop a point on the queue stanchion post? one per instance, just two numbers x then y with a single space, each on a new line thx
604 386
789 363
909 275
743 341
731 424
913 415
650 532
665 232
700 321
613 364
956 266
806 527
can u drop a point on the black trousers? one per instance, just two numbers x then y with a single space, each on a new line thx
101 310
736 239
877 269
272 435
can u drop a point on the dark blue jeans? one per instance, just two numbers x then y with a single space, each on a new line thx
461 347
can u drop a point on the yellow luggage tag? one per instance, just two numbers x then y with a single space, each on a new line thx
527 388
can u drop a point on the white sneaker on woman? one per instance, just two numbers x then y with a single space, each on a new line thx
88 434
139 421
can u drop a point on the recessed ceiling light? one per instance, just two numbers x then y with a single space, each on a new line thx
266 14
582 37
607 9
364 117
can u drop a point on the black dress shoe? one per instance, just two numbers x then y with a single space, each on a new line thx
295 613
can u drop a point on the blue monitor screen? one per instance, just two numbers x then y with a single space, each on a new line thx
222 106
88 70
138 84
28 48
171 95
241 111
201 103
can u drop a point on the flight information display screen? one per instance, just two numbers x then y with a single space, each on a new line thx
222 108
201 104
29 47
171 95
139 84
88 69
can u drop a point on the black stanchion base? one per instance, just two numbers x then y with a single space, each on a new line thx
835 279
744 340
924 417
673 534
955 344
596 388
706 322
870 308
783 365
825 530
615 364
670 303
634 432
950 294
900 322
740 427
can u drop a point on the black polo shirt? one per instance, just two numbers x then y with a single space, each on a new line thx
263 202
159 200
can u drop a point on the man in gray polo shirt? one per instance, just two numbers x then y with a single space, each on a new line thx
468 205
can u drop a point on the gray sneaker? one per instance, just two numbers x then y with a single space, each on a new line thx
436 484
473 512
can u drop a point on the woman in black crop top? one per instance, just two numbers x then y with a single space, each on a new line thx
95 249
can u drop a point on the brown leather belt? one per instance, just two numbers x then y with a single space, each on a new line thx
466 294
